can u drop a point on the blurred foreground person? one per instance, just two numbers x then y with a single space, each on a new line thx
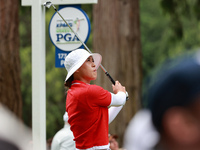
113 142
63 139
171 119
13 134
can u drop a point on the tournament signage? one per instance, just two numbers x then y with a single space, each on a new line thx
61 35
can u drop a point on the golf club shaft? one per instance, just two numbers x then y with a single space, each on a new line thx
105 71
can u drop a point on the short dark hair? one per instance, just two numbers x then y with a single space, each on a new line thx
68 83
7 145
176 85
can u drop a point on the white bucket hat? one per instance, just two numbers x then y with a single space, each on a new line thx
76 58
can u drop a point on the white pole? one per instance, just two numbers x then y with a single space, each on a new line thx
38 76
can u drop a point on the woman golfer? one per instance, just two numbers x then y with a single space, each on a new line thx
87 105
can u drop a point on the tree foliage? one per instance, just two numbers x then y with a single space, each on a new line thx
178 11
159 41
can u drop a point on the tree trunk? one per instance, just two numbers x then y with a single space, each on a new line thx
10 93
116 36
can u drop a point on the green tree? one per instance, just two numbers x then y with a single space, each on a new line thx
10 93
159 41
177 11
25 57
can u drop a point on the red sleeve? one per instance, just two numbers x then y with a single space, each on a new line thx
99 96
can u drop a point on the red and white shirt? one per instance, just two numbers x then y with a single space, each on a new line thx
87 107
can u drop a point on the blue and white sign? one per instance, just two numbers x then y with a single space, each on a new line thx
61 35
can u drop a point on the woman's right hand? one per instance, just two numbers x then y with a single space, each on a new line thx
118 87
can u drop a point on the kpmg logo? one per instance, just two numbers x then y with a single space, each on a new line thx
62 36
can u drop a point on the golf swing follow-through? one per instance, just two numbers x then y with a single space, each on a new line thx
48 4
90 107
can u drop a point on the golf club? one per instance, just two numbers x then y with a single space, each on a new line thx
48 4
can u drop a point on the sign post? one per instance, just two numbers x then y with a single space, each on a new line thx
38 67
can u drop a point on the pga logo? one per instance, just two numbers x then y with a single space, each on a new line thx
62 36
